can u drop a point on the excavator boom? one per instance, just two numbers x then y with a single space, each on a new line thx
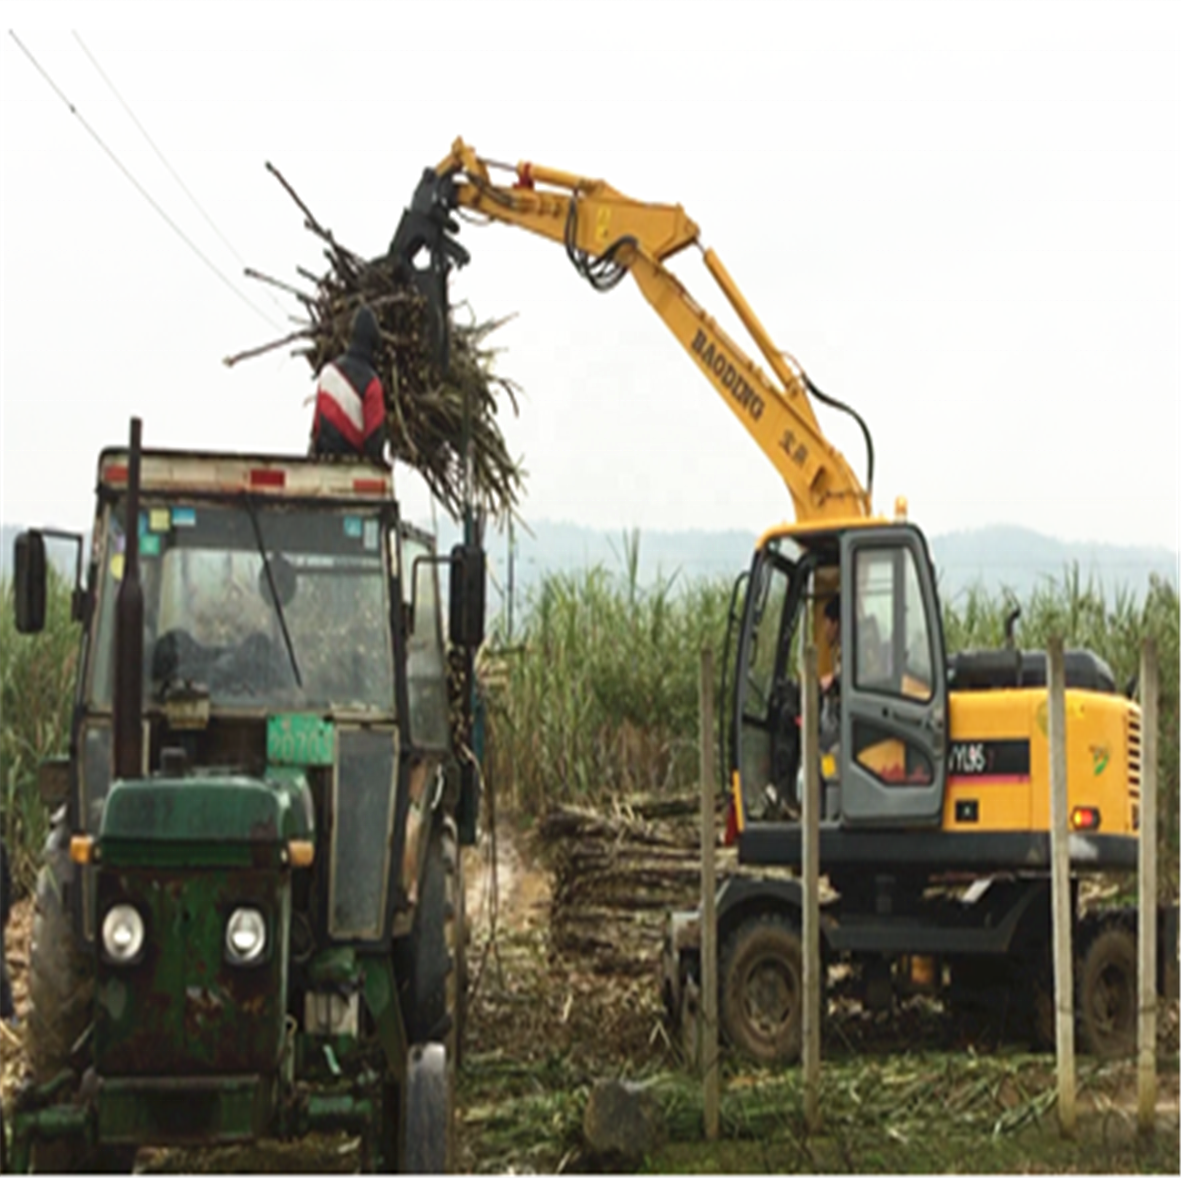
608 235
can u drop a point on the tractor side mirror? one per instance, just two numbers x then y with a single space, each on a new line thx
467 596
30 578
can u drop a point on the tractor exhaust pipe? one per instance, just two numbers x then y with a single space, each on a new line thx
129 633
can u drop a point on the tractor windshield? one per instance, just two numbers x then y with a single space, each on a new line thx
262 606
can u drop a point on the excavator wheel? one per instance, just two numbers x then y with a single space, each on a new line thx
61 991
762 989
1107 1000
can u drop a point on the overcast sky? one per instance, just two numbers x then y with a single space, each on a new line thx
964 220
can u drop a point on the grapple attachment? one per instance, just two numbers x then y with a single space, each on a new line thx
427 227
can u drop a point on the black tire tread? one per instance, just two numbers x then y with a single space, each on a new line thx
1111 946
777 935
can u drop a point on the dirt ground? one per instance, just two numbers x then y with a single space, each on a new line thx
540 1031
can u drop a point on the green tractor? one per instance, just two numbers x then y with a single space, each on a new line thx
248 924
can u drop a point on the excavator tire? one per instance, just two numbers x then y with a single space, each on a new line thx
1107 1000
1043 1032
762 989
61 992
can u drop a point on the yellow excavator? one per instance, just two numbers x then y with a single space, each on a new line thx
935 770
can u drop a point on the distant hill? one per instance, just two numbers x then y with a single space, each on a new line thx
998 557
1003 556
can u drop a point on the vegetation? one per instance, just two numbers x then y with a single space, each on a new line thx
918 1112
37 675
598 692
597 695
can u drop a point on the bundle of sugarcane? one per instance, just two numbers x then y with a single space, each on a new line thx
425 406
616 874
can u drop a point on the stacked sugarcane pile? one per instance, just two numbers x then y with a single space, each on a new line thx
424 405
616 874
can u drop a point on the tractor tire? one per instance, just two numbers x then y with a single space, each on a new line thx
1107 998
433 1000
455 937
61 995
762 990
430 1107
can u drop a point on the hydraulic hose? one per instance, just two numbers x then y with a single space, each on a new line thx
821 396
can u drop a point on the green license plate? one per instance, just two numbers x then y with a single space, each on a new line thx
300 740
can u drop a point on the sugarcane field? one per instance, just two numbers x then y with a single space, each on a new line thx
489 687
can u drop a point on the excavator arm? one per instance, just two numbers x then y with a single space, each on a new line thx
608 235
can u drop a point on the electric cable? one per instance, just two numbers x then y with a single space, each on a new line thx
140 188
163 160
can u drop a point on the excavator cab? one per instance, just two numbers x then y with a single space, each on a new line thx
883 716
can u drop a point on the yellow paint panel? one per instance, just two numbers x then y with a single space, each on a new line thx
1097 759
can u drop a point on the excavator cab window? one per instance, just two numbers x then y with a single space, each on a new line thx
892 641
894 702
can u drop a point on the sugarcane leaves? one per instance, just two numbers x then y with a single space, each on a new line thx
424 406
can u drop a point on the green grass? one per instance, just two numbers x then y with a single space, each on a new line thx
919 1112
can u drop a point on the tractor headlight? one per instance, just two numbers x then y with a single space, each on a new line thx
123 933
246 936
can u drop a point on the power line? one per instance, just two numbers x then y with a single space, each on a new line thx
160 156
142 191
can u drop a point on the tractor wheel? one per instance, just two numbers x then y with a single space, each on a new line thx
433 1002
430 1120
455 937
762 984
61 992
1107 1001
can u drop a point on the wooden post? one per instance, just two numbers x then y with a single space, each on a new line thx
810 869
1063 917
1149 697
709 924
